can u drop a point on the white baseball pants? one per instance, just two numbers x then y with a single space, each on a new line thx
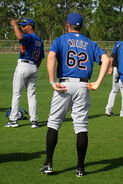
78 99
25 75
116 86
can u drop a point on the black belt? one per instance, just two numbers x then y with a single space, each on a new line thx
27 61
67 80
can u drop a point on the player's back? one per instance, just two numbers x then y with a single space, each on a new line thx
75 55
33 46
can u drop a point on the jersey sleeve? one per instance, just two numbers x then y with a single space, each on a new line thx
25 39
97 53
56 46
114 49
42 51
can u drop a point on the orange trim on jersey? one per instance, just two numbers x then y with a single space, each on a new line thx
23 48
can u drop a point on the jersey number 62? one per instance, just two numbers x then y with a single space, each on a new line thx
73 57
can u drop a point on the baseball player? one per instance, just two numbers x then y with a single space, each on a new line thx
115 84
75 55
30 57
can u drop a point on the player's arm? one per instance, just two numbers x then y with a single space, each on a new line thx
51 66
16 29
110 71
104 66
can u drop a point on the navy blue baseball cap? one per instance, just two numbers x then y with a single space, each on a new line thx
27 22
75 19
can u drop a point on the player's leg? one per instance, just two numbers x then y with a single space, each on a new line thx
51 141
113 93
18 84
82 143
59 106
32 102
79 114
121 90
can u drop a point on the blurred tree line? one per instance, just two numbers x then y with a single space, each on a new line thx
102 19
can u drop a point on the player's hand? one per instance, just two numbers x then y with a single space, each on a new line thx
13 22
92 86
110 71
59 87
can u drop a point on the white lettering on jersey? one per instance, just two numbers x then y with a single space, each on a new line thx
37 43
77 43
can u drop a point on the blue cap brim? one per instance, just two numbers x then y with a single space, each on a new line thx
22 23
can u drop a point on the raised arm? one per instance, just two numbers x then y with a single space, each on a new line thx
16 29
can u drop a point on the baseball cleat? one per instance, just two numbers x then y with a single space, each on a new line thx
80 172
34 124
13 124
109 114
47 169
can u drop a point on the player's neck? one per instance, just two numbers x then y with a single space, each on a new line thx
74 31
30 31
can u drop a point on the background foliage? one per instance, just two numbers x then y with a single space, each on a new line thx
102 19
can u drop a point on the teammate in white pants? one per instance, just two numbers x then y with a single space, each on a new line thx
115 84
30 57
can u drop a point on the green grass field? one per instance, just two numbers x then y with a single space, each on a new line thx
22 150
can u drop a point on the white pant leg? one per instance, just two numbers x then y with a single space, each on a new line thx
80 108
31 95
121 90
60 104
114 91
18 84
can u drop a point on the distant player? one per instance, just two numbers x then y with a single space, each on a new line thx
75 55
30 57
115 84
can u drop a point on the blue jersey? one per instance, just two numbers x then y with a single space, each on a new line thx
115 47
75 54
120 61
31 48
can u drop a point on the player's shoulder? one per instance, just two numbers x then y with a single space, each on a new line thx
121 46
118 43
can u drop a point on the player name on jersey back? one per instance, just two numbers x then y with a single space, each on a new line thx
77 43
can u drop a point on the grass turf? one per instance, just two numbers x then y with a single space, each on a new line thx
22 150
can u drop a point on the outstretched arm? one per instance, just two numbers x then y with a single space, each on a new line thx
105 63
51 66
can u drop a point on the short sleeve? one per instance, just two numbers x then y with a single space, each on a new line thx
56 46
25 40
97 53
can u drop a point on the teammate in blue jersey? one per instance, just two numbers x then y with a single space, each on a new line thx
30 57
115 84
75 55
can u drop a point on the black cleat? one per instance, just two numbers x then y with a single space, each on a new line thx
80 172
47 168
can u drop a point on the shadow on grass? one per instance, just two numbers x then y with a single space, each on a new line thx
40 123
4 109
10 157
108 165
